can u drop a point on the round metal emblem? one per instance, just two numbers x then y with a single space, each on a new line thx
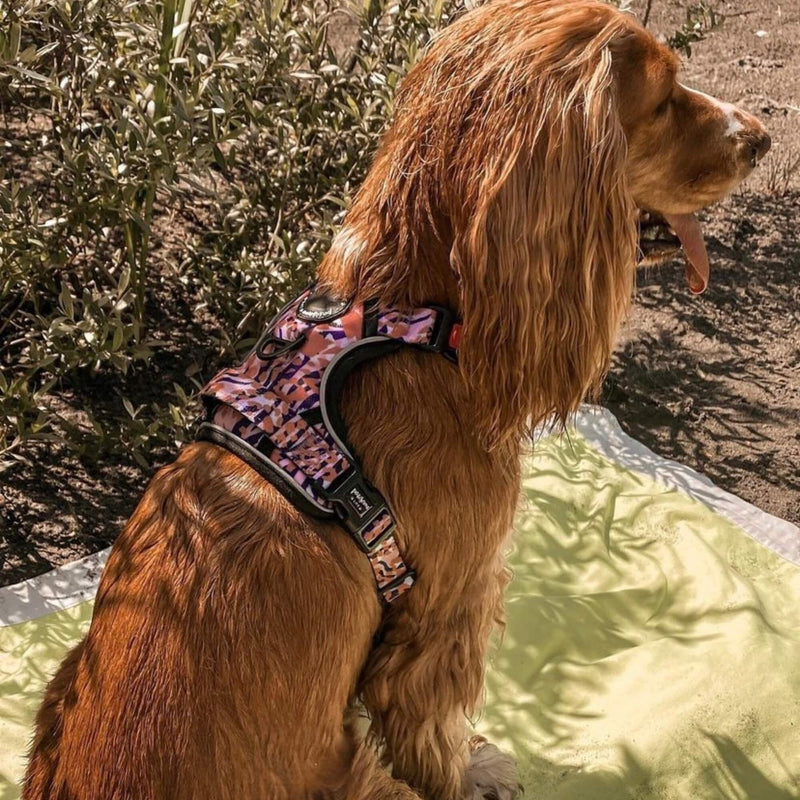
321 308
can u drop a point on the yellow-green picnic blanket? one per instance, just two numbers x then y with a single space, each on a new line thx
653 643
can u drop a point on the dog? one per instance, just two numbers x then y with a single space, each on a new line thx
233 635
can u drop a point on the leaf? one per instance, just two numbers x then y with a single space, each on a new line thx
219 159
65 297
275 8
124 280
119 338
28 55
48 48
353 107
31 75
12 48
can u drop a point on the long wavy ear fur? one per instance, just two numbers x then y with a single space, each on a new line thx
546 261
506 159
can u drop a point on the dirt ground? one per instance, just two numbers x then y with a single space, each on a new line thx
712 382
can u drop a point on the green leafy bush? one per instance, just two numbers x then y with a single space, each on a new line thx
701 19
172 171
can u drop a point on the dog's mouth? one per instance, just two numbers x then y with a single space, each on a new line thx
662 236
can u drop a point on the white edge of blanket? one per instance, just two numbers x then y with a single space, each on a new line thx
600 428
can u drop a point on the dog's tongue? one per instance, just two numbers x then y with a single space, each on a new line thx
690 233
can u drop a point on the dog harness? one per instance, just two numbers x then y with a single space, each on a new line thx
279 412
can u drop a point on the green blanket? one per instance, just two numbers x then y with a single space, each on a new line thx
653 643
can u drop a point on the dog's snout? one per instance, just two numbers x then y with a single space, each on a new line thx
755 142
761 144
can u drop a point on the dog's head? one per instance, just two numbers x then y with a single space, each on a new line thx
524 144
686 149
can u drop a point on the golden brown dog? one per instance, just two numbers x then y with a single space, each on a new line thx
232 636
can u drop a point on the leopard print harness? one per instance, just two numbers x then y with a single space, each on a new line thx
279 412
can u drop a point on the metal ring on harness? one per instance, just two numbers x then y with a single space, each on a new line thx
268 338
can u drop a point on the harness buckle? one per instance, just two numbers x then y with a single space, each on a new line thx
358 505
440 336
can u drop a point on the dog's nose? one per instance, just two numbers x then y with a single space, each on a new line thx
761 144
755 145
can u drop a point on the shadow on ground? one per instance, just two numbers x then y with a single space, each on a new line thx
714 381
56 504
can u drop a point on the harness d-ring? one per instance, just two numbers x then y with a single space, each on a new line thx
268 338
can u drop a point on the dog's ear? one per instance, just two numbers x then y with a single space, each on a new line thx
545 258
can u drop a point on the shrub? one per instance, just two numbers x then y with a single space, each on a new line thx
173 172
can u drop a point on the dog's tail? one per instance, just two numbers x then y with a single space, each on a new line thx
40 779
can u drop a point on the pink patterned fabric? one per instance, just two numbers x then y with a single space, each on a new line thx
272 402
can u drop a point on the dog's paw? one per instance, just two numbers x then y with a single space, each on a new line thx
491 774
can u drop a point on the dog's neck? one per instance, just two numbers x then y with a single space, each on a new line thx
381 262
396 240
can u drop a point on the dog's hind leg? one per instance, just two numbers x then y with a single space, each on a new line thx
40 779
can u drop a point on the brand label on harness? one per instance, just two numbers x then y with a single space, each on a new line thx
358 502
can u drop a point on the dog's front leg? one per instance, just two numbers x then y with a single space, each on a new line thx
419 691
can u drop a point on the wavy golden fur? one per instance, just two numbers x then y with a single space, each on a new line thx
233 637
483 197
